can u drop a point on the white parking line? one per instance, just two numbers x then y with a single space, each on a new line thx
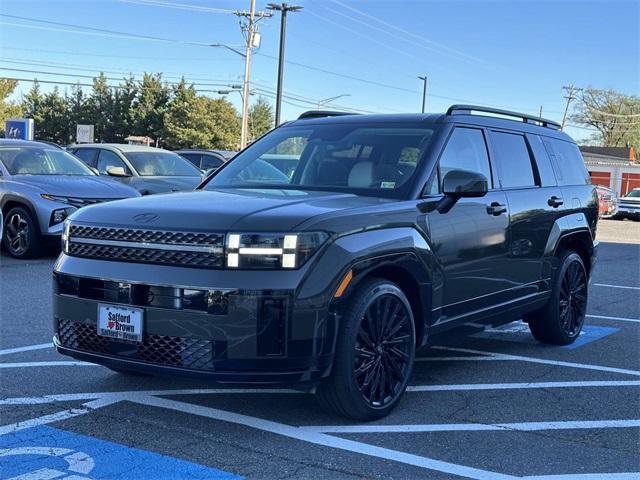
544 361
58 416
474 427
56 363
26 348
321 439
520 386
620 319
616 286
587 476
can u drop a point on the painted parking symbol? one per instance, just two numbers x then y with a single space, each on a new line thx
43 453
519 332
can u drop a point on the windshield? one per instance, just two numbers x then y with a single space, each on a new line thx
634 193
364 159
161 164
41 161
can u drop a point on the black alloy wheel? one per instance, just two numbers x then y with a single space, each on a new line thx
20 233
573 299
383 350
374 353
561 320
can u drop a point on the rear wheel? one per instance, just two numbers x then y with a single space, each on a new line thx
374 354
21 236
560 321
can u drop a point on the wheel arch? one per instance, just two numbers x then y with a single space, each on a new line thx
11 201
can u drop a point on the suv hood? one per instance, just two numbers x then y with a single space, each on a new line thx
223 210
77 186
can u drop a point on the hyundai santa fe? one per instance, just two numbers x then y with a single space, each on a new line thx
390 230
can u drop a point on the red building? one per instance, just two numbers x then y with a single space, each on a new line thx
612 167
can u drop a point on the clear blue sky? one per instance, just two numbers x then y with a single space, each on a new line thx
514 54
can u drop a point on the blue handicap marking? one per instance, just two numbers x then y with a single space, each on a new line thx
519 332
42 453
591 333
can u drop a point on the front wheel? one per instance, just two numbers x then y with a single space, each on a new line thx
374 353
560 321
21 236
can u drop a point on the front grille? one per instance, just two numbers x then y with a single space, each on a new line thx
147 236
192 353
144 255
165 247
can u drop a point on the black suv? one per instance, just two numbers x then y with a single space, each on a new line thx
389 230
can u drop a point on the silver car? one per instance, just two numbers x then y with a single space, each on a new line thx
40 186
147 169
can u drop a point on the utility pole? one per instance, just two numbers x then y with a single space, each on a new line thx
283 8
540 115
252 41
571 94
424 92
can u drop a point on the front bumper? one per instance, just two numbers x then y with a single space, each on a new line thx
240 336
628 211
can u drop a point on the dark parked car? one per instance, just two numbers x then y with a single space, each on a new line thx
629 205
40 185
390 230
147 169
206 160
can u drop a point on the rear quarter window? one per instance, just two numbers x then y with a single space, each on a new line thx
567 162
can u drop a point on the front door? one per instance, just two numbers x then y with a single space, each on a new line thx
469 241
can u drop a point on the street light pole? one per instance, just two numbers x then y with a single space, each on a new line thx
283 8
424 92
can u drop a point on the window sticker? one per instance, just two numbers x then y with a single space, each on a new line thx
387 184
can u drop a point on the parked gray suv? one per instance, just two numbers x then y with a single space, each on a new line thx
40 186
147 169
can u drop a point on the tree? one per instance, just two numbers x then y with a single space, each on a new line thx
101 109
8 109
150 105
261 118
196 121
32 104
78 111
122 113
48 112
615 116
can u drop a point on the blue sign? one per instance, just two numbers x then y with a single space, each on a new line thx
46 452
21 128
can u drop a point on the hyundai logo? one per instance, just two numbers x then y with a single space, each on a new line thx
145 217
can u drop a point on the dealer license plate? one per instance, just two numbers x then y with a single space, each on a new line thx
120 323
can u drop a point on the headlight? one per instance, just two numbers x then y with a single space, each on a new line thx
54 198
65 236
271 250
59 215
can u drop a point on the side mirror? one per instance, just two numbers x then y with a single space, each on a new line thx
457 184
95 170
464 183
117 172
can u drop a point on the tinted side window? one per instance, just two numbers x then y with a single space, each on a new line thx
87 155
209 161
567 161
192 157
108 159
545 169
512 159
465 150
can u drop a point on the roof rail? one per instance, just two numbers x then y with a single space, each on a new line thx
322 113
467 109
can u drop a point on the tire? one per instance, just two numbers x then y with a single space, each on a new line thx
21 236
374 353
560 321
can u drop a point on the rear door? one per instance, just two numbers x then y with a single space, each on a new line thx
535 201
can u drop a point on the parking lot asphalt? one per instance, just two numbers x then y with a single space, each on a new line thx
493 404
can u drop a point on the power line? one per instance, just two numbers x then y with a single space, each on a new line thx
178 6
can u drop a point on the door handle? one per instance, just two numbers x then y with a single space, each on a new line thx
496 208
555 202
